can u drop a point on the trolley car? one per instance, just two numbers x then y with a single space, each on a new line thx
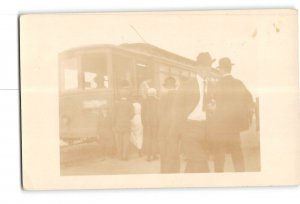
91 76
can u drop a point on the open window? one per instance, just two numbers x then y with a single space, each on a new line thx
94 68
70 74
166 71
122 71
144 77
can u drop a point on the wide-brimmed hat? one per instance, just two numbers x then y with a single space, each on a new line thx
225 63
204 58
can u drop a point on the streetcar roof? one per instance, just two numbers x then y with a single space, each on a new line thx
136 48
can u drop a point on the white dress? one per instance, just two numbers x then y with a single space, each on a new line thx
136 127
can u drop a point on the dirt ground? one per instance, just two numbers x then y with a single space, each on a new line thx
86 159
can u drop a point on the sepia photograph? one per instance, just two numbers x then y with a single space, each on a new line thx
145 106
159 99
136 108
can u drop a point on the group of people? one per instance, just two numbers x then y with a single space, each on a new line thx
195 121
134 123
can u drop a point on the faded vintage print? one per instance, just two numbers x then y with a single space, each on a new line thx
160 99
141 108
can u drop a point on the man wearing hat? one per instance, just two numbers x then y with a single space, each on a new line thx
123 114
232 104
168 134
193 113
149 115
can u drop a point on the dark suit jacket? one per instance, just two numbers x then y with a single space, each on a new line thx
149 112
232 98
167 111
175 107
189 95
187 98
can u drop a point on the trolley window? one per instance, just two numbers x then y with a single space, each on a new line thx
70 74
122 71
94 67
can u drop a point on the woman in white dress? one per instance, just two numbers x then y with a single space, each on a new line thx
137 128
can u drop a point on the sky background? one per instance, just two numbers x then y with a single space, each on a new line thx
248 39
